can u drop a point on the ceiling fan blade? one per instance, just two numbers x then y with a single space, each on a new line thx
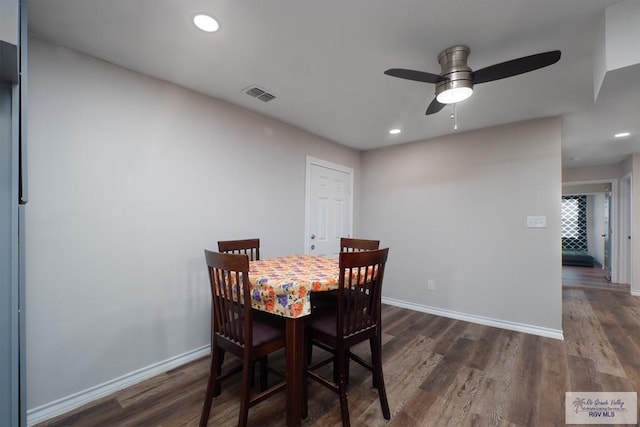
419 76
434 107
515 67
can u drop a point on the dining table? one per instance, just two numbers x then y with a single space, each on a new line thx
283 286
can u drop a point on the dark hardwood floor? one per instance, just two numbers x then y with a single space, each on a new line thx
589 277
438 372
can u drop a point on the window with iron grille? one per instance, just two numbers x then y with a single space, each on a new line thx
574 222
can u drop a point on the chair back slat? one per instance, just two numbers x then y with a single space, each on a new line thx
248 247
360 290
356 245
230 296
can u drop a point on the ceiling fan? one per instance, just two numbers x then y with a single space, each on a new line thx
455 81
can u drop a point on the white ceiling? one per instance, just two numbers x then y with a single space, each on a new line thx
324 60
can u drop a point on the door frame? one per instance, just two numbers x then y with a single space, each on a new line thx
626 249
613 220
314 161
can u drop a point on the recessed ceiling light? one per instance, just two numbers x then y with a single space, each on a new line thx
206 23
395 131
621 134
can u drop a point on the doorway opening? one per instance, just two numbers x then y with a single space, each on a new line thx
601 227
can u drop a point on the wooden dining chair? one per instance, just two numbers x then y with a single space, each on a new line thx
248 247
321 301
327 301
348 244
236 331
356 319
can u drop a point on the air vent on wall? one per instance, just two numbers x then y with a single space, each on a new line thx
259 93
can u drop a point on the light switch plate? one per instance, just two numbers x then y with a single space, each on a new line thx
536 222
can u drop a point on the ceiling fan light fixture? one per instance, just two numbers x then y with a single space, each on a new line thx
454 95
457 84
456 79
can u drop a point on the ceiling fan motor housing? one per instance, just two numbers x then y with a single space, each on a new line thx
454 68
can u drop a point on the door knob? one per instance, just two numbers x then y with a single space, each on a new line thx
313 247
313 236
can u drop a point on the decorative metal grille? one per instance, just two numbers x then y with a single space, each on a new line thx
574 222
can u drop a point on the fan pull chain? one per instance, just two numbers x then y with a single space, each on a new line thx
454 116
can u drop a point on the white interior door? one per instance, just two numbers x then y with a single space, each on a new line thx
329 212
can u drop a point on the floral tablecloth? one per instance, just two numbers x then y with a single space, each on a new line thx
282 285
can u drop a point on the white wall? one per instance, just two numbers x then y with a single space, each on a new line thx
454 209
595 226
130 179
622 34
592 173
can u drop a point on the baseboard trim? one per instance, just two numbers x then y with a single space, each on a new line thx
73 401
487 321
635 293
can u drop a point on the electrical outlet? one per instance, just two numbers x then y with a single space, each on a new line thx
431 285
